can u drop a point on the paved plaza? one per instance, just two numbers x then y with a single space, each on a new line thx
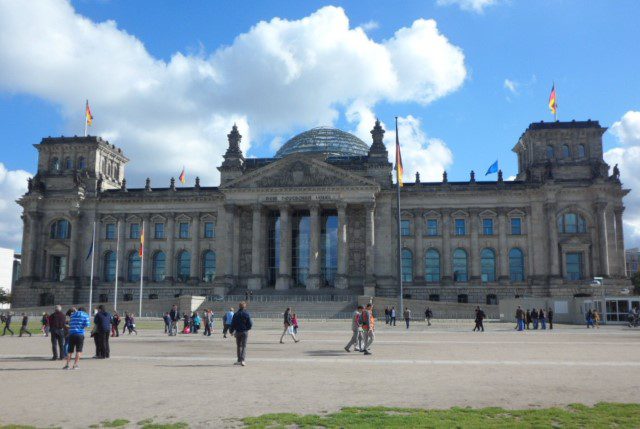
191 378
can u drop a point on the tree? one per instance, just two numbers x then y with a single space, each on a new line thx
635 279
5 297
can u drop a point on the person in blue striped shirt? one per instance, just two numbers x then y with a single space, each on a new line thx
78 321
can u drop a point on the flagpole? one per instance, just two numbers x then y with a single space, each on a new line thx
115 293
399 261
141 270
93 248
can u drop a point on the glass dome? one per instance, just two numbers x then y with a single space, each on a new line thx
328 140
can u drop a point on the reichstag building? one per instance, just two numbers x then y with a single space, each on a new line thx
320 217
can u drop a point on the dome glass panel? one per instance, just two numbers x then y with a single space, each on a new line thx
327 140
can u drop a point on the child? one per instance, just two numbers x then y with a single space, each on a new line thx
294 321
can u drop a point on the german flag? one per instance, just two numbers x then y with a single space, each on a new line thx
88 115
399 169
183 177
141 251
553 103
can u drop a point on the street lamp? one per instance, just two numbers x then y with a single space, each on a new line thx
599 282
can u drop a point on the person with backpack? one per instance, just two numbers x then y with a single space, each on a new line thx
368 328
240 326
288 326
356 327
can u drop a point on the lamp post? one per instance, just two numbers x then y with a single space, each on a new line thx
599 282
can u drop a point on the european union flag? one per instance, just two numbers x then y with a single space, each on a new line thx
492 169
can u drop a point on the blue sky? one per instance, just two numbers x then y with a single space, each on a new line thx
588 48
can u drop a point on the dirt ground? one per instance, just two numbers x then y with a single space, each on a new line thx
192 378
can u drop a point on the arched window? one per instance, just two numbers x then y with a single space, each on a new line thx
82 163
55 164
566 152
407 265
60 230
184 266
516 265
581 151
550 152
460 271
133 267
463 298
432 266
572 223
492 299
109 271
158 266
68 163
488 265
208 266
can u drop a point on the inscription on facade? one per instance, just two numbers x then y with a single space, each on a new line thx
298 198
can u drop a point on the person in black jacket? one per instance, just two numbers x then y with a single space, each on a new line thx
550 318
57 321
102 322
241 324
174 315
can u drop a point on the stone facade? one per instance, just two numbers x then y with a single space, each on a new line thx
323 223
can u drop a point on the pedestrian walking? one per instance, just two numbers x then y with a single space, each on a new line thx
596 319
428 315
550 318
45 324
288 326
520 318
240 326
102 324
167 322
393 316
129 324
368 328
356 328
294 320
407 316
589 319
226 320
174 315
115 325
57 322
208 322
527 319
480 316
542 319
23 326
78 321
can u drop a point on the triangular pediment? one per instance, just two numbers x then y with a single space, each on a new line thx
299 171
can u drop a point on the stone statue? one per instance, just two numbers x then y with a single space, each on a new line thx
172 184
445 177
197 182
99 184
500 179
616 173
29 185
147 184
472 178
124 185
417 177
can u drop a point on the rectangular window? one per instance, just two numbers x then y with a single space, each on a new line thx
487 226
183 231
158 230
110 231
134 230
516 226
432 227
460 227
58 268
209 230
405 228
574 265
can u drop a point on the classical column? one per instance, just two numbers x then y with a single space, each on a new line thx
313 282
418 252
600 208
73 243
611 241
195 248
255 281
554 257
170 260
475 251
446 255
31 271
283 281
236 244
370 243
343 254
620 256
503 250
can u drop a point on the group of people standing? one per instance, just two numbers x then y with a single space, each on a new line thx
363 329
390 316
537 317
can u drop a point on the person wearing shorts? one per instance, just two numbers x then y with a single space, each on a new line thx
78 322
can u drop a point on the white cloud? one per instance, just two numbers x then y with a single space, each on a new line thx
278 76
469 5
13 184
627 130
420 153
511 86
370 25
